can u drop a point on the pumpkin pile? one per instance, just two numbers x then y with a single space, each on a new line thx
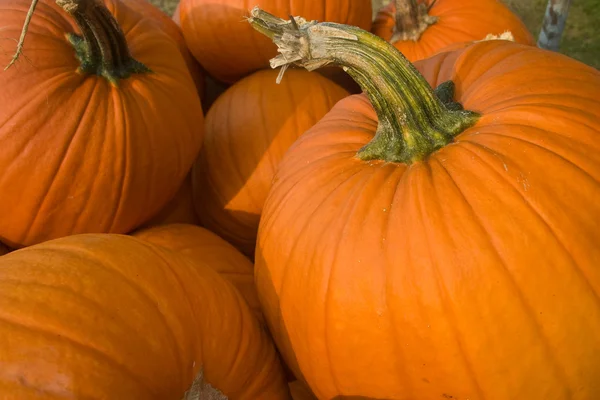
283 201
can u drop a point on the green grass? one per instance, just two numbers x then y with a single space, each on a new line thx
581 39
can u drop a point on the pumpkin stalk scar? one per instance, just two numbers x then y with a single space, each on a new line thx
101 48
412 19
414 119
202 390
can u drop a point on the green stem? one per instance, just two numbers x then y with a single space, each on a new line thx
414 119
101 48
412 20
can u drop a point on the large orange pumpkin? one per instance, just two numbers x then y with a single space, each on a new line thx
98 145
206 248
441 23
113 317
414 250
248 130
167 24
228 49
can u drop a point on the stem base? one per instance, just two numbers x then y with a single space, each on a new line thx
90 65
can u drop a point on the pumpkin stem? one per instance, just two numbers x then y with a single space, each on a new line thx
414 119
101 48
412 20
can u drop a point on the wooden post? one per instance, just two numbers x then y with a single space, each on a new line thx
554 24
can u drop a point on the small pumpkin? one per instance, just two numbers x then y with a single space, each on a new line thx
420 28
167 24
111 316
248 129
206 248
451 231
98 131
228 49
180 210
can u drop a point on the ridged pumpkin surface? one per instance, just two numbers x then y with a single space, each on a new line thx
171 27
206 248
473 274
458 21
80 155
101 316
229 49
248 130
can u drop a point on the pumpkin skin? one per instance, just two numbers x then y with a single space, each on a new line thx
458 21
172 29
208 249
448 270
79 154
111 316
180 210
233 174
229 49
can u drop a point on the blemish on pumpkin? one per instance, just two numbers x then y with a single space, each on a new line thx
425 379
448 396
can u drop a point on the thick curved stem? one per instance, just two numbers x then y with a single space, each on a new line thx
412 19
414 119
101 48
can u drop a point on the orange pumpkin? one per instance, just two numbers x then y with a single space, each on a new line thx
233 173
440 23
98 145
437 252
229 49
172 29
111 316
180 210
206 248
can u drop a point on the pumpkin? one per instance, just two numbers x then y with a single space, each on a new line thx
206 248
420 29
247 131
422 243
229 49
180 210
172 29
111 316
99 145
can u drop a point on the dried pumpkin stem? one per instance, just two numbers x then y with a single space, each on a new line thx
412 19
414 119
101 48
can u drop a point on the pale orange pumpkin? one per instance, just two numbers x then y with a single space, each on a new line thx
248 129
114 317
411 248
